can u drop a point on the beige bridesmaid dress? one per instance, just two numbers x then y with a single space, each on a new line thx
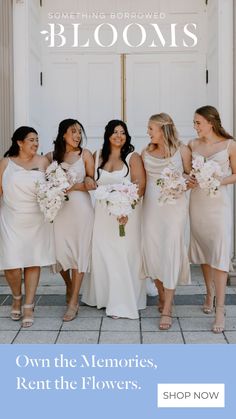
73 226
163 227
210 220
25 238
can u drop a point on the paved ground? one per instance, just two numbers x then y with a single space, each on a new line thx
190 324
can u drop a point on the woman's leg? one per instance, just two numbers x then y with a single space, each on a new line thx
13 277
220 281
161 294
31 276
73 305
165 321
66 276
208 273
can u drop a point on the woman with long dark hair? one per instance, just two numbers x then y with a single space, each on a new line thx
26 239
116 261
210 218
74 222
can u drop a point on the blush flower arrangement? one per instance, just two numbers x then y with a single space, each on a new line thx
172 185
119 200
208 173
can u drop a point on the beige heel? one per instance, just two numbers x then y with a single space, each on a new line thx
71 313
208 309
219 324
16 314
28 321
165 322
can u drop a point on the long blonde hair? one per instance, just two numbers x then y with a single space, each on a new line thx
171 139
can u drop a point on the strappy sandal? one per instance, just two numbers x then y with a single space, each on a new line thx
209 308
71 313
28 321
219 324
165 322
16 314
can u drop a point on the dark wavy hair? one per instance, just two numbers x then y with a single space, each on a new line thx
59 143
19 135
212 115
106 148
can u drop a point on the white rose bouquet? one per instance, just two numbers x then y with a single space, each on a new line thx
208 173
172 185
119 200
51 192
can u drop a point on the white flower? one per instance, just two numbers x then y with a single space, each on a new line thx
172 185
119 199
51 192
208 173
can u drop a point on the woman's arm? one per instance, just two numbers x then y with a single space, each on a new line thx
3 165
137 172
89 182
49 156
229 180
186 155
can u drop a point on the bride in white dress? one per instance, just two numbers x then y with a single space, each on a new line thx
116 280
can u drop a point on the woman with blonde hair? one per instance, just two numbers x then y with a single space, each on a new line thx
210 218
165 255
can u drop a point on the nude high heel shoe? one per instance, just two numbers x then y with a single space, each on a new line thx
28 321
209 308
219 324
16 314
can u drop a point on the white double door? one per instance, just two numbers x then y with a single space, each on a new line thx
97 88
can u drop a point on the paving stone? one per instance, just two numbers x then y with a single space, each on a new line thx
150 311
187 290
203 338
152 324
35 337
230 323
7 324
230 311
5 311
119 337
82 323
78 337
196 324
86 311
162 337
7 337
45 323
52 300
231 337
2 298
49 311
118 325
191 311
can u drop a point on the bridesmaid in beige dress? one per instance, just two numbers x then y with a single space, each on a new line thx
165 255
210 218
74 222
26 240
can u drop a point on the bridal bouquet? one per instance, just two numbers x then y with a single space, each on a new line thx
172 185
208 174
51 192
119 200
